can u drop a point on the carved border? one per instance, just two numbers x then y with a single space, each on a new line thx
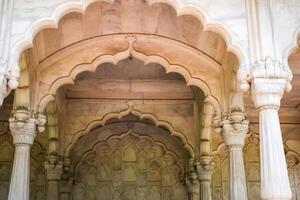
128 133
122 113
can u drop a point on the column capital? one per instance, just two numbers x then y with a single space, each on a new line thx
204 172
234 129
23 124
54 168
268 80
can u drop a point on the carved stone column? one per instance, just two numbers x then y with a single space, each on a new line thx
204 167
193 186
269 81
234 132
65 189
23 129
204 173
54 170
66 182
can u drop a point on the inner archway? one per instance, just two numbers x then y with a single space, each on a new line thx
129 159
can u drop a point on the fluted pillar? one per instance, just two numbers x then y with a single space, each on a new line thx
23 129
54 170
204 173
65 189
269 81
234 132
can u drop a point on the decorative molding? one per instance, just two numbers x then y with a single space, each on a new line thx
123 135
122 113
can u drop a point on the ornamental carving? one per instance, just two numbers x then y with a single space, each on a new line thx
129 167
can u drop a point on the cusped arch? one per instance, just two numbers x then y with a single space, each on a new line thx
142 116
125 54
68 7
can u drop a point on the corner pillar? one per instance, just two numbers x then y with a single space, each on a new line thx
204 173
193 186
23 125
204 168
54 169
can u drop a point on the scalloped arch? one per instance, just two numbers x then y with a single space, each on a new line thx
157 122
114 59
181 9
128 133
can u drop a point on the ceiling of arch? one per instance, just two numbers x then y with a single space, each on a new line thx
126 16
115 82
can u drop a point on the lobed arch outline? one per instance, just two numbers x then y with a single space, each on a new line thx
128 53
130 110
125 134
68 7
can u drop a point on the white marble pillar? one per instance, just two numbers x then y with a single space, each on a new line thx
204 173
54 169
6 15
234 131
23 129
269 81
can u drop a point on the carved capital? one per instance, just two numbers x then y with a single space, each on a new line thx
54 168
269 79
234 129
204 172
23 124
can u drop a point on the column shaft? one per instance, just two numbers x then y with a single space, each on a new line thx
238 187
274 176
235 129
52 192
205 192
20 179
23 129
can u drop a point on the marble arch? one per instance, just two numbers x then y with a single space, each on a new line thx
157 122
62 10
187 70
